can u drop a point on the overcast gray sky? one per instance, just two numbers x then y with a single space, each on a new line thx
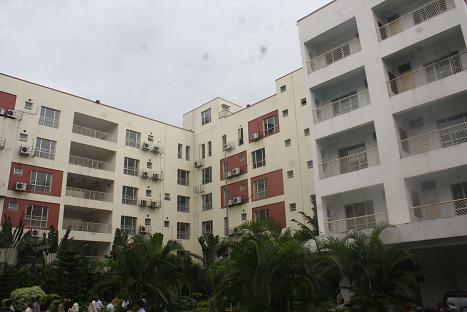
159 58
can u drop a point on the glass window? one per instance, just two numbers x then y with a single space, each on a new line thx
180 151
259 158
209 148
270 125
167 196
288 142
309 164
49 117
293 206
240 136
183 230
12 206
206 116
290 174
224 140
128 224
45 148
41 182
183 203
187 152
130 166
28 104
206 227
129 195
243 216
303 101
148 193
206 175
133 138
260 189
283 88
207 201
149 165
203 151
17 171
147 222
150 138
23 137
261 215
36 216
183 177
285 113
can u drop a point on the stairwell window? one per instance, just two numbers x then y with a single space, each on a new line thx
41 182
206 117
183 203
206 227
240 136
180 151
45 148
207 201
187 152
206 175
129 195
130 166
183 177
259 158
128 224
132 138
36 216
49 117
209 148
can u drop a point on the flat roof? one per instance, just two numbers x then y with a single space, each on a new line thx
316 10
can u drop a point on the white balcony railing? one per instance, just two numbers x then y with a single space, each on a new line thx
334 55
78 225
414 18
93 133
437 139
88 194
422 76
439 210
91 163
353 162
356 224
342 106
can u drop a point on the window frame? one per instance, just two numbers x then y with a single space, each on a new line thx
33 219
260 189
39 185
183 177
130 170
49 121
206 200
258 163
206 117
132 138
207 227
262 215
206 175
129 227
267 129
129 195
183 203
183 230
46 153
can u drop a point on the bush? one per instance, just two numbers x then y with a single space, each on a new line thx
26 295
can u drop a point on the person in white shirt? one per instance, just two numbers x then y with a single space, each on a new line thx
111 306
29 308
139 306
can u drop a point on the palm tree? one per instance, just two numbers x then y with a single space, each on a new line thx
212 247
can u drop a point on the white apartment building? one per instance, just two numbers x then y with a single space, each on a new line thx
71 162
387 80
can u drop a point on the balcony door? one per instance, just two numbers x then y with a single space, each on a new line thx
459 195
407 81
430 200
360 216
419 143
353 158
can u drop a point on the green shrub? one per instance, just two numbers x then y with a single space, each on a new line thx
26 295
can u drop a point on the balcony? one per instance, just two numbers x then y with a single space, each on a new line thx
439 210
90 188
412 13
94 127
91 163
356 223
329 57
354 162
78 225
88 194
342 106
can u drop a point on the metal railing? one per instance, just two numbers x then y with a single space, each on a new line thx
445 209
78 225
414 18
353 162
432 140
88 194
49 122
93 133
424 75
129 200
334 55
91 163
356 223
342 106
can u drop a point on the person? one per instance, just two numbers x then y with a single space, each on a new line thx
29 308
99 304
93 305
74 308
37 305
139 306
111 307
61 306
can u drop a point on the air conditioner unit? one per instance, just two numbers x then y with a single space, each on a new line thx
237 200
236 171
145 174
227 146
21 186
2 111
155 149
198 163
230 202
156 176
229 174
154 204
10 113
35 233
25 150
254 136
143 203
142 229
146 146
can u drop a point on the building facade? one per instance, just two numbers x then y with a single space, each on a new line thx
71 162
387 80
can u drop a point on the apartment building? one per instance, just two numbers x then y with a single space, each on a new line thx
71 162
387 80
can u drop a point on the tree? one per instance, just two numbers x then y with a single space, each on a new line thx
309 228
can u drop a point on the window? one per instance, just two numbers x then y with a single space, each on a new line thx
243 216
133 138
206 117
288 142
41 182
149 165
167 196
183 230
166 223
242 157
23 137
45 148
283 88
240 136
129 195
243 187
187 152
130 166
28 104
147 222
12 206
183 177
306 131
150 138
148 193
207 201
261 215
293 206
180 151
17 171
270 125
36 216
203 151
259 158
309 164
290 174
128 224
206 175
260 189
303 101
206 227
183 203
49 117
209 149
285 113
224 140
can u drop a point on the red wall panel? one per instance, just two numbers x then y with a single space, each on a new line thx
235 161
276 212
257 125
20 213
57 177
7 100
275 183
234 190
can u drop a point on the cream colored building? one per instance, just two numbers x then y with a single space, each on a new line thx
71 162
